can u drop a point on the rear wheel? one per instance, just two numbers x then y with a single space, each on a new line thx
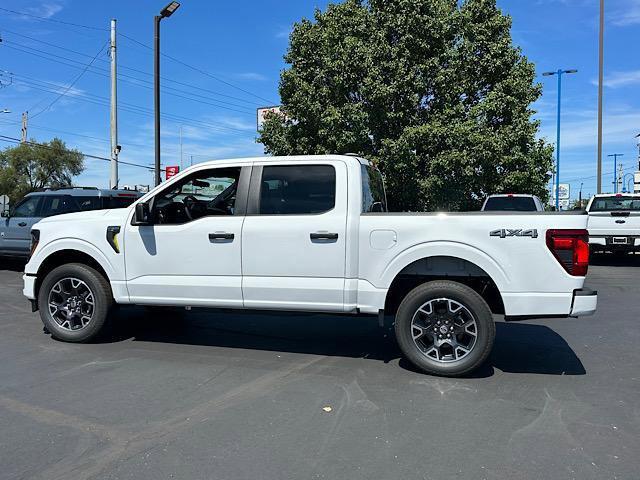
74 302
445 328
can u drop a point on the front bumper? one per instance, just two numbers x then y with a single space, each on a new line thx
29 289
584 303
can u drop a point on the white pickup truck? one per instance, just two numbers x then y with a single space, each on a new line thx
614 222
311 233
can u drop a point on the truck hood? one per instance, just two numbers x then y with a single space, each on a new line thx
117 214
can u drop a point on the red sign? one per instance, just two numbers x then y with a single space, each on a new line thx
171 171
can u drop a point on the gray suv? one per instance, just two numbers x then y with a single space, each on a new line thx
15 226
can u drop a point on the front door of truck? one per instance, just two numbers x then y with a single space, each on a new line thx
190 255
294 236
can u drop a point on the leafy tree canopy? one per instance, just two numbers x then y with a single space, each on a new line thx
31 166
433 91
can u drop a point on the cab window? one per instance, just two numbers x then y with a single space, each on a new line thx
27 208
201 194
297 189
57 205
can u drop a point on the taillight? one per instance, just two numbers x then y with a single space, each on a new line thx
571 249
35 238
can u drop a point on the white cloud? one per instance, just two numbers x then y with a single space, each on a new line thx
46 9
619 129
620 79
629 15
254 76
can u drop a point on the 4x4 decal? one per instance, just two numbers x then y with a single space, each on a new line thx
516 232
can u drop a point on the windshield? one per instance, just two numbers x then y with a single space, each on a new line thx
612 204
513 204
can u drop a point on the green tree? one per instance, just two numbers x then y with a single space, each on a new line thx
433 91
31 166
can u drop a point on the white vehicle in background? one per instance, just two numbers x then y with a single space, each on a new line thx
311 233
614 222
512 202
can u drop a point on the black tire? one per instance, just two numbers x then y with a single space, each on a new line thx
430 294
102 302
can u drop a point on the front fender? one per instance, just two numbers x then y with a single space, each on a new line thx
445 249
43 252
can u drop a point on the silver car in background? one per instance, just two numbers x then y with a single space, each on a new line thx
15 226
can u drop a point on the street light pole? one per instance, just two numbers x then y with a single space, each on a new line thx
559 73
615 170
165 13
600 82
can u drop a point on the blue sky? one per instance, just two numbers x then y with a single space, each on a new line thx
240 45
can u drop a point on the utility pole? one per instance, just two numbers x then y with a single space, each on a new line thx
615 170
25 124
580 195
115 148
600 81
181 166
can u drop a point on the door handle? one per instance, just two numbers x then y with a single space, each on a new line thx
22 224
323 236
221 236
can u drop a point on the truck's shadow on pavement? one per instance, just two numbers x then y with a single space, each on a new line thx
519 347
612 260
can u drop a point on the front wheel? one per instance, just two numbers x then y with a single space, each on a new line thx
74 302
445 328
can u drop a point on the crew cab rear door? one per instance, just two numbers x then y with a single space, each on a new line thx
293 238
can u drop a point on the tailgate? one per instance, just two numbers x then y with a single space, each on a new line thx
614 223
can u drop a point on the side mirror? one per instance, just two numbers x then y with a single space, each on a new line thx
377 207
142 215
5 214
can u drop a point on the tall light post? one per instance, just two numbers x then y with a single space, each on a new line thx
559 73
166 12
600 84
615 170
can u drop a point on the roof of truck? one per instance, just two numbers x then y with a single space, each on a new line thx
349 157
610 195
87 192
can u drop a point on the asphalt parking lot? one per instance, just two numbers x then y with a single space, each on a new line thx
237 395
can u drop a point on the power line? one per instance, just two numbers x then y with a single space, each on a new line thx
128 107
87 155
25 14
199 70
123 77
75 80
120 65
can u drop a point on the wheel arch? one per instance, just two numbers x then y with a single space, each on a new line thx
66 256
445 267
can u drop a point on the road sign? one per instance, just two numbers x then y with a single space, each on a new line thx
4 203
262 112
171 171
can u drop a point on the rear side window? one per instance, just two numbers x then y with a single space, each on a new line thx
57 205
118 202
373 196
510 204
297 189
88 203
